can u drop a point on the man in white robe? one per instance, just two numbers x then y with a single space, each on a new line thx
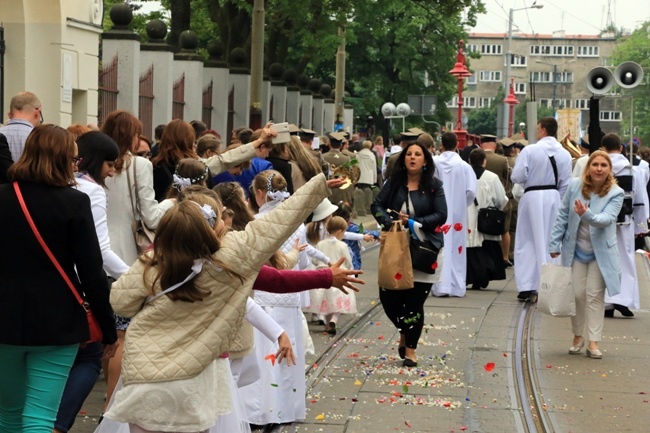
625 231
459 183
538 208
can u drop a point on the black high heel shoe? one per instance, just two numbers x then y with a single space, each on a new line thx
408 362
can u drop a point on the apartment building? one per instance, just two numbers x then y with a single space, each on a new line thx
549 69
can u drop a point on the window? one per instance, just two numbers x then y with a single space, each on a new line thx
611 116
517 61
469 102
545 102
520 88
582 104
494 76
564 77
590 51
485 102
491 49
471 79
541 77
552 50
471 48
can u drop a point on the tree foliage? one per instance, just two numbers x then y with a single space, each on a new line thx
636 48
394 47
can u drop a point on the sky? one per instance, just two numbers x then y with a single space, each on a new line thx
585 17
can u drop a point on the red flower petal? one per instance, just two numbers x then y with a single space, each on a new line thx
460 249
407 424
439 230
398 276
270 357
434 265
446 228
458 227
469 231
489 366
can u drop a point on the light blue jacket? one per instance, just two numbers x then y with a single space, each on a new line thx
601 216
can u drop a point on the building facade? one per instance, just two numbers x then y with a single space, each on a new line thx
549 69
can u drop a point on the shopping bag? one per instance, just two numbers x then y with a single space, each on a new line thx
556 297
394 267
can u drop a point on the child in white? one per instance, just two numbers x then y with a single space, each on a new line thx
327 302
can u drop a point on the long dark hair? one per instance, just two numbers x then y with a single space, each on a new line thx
399 176
94 149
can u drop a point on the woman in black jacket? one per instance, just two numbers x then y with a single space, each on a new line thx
413 195
41 322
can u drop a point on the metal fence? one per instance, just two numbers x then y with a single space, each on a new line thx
178 98
107 90
145 107
206 112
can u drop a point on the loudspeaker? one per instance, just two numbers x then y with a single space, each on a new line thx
628 75
600 80
403 109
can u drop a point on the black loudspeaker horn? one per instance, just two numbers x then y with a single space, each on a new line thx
600 80
628 75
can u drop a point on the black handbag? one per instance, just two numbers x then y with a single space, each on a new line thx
424 255
491 220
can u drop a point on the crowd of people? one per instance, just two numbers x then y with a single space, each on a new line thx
164 241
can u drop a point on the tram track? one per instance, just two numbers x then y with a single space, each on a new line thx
535 418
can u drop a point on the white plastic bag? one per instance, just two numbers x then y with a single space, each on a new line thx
556 297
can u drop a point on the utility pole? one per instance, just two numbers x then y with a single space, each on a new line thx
506 120
257 64
340 79
554 103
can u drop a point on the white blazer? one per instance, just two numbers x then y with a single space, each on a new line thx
120 214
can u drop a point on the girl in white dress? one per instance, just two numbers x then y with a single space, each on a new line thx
329 303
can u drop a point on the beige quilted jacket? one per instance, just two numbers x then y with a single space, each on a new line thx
169 340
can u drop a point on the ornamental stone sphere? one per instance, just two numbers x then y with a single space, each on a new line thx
188 40
156 30
121 15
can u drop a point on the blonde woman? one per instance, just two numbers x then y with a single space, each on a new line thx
585 234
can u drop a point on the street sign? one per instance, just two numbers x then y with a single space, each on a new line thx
422 104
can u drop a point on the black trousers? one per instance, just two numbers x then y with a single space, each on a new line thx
405 308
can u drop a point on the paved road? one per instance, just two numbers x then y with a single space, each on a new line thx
465 378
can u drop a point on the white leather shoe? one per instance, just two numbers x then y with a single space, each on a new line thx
595 354
575 350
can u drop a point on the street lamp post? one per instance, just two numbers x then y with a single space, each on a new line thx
460 72
511 100
506 120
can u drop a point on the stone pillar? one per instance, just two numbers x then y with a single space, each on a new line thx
306 102
293 97
191 64
329 110
216 72
348 118
266 99
158 54
278 108
240 80
318 105
122 43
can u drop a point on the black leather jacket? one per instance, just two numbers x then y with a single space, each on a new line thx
430 208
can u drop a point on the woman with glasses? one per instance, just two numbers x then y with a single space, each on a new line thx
41 322
143 148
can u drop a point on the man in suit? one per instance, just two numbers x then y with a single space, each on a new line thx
336 158
498 164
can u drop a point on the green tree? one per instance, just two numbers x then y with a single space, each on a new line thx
636 48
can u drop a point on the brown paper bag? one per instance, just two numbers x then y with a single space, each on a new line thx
394 267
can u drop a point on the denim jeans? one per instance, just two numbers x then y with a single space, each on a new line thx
31 384
81 381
